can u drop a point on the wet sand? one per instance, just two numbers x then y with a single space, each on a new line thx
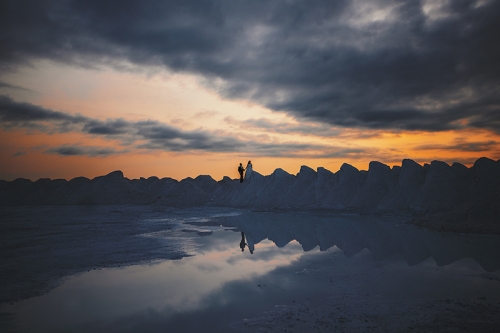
358 295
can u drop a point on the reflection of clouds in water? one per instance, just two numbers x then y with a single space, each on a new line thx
220 282
170 286
208 267
231 299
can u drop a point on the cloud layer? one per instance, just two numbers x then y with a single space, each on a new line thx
412 65
145 135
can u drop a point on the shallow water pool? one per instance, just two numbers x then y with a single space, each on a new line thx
131 269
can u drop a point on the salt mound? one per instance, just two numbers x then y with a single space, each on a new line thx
411 179
347 182
444 188
271 190
301 192
485 190
379 181
454 197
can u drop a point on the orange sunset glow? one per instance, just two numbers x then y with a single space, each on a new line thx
239 94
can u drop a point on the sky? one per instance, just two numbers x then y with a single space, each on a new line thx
182 88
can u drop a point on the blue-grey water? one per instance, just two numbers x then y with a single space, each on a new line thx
143 269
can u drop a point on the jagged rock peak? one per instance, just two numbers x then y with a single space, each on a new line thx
43 180
322 170
375 166
408 163
115 174
205 178
459 166
279 172
348 168
79 180
440 164
306 171
483 161
18 181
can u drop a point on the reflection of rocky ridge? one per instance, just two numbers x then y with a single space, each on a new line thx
352 234
453 196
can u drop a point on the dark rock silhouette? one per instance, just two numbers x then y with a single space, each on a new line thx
411 179
379 181
348 180
438 195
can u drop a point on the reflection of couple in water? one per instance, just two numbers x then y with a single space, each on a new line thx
248 171
243 244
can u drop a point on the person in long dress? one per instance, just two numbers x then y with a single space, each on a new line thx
251 246
248 170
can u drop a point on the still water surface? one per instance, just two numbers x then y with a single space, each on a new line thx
264 271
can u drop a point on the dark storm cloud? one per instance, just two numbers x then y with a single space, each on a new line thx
16 112
301 128
165 137
72 150
407 64
152 134
146 134
323 130
476 146
108 127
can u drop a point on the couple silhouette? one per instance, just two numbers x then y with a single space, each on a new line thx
248 171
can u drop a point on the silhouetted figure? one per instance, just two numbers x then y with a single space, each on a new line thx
248 172
243 244
240 170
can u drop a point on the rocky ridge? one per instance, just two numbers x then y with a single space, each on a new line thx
436 195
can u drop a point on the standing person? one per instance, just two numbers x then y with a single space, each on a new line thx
248 172
243 243
240 170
